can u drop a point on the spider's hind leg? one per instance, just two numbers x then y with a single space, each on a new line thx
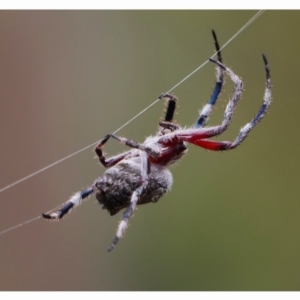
145 169
262 111
71 203
207 109
224 145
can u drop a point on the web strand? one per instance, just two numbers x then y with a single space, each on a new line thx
247 24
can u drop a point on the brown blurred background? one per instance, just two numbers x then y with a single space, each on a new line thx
67 78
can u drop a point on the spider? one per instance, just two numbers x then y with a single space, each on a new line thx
141 175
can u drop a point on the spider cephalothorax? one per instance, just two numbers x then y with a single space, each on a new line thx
140 175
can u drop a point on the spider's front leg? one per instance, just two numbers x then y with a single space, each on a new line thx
135 145
170 106
108 162
167 123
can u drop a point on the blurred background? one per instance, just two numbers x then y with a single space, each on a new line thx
67 78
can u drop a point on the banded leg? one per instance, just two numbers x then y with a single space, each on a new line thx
194 135
207 109
167 122
73 202
236 96
222 145
171 106
145 169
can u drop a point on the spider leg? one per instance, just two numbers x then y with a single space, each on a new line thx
133 144
108 162
171 106
145 169
224 145
236 96
207 109
111 161
74 201
195 134
168 125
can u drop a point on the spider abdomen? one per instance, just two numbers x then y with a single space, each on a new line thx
115 188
